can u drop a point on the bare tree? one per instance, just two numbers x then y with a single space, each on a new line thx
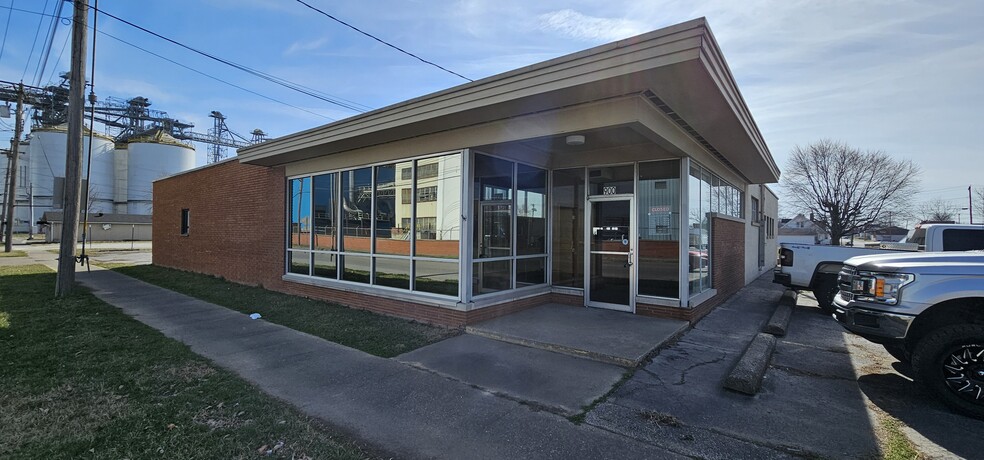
977 205
938 210
845 189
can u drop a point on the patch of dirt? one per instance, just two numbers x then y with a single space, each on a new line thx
191 372
660 418
221 417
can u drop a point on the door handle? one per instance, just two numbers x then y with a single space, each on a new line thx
628 263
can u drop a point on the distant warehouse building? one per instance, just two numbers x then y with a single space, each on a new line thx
99 227
625 176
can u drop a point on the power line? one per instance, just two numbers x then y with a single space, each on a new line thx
35 42
54 68
216 78
350 26
280 81
6 29
46 52
180 65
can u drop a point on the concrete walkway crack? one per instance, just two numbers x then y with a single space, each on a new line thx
683 375
531 405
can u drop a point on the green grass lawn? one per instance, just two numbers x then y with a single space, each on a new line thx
13 254
363 330
80 379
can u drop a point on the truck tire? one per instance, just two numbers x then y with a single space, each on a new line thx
898 352
824 290
950 363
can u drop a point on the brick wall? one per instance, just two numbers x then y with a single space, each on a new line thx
236 222
727 263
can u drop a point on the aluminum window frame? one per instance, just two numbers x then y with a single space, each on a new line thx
372 255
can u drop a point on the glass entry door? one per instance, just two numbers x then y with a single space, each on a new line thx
610 278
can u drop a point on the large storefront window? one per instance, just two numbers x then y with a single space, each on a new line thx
299 242
659 228
708 194
510 225
393 225
568 227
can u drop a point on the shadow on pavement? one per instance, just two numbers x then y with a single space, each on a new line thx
903 399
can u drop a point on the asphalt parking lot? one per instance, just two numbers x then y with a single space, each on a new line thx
826 394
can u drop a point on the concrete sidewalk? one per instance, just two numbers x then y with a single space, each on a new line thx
407 412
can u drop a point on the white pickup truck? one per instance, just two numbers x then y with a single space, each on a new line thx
815 267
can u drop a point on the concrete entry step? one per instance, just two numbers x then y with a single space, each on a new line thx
607 336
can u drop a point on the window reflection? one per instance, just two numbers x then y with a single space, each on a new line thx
356 201
366 220
325 206
568 227
300 213
438 277
708 194
659 228
531 210
392 272
493 206
438 208
392 234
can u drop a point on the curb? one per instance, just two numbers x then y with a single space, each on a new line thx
788 298
748 373
779 321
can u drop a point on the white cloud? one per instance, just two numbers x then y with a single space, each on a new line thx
299 47
578 26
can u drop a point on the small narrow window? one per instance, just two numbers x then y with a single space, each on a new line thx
185 221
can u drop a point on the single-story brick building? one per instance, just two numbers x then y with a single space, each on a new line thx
626 176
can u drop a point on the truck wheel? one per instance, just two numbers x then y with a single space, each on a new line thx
824 290
898 352
950 363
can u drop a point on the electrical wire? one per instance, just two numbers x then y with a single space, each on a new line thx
34 44
350 26
215 78
191 68
6 29
46 52
274 79
54 68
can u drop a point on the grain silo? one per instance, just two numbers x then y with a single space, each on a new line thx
46 180
148 158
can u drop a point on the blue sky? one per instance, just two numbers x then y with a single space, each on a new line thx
895 75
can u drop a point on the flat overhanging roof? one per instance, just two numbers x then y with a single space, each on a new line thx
680 67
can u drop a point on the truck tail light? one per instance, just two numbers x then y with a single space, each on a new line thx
786 257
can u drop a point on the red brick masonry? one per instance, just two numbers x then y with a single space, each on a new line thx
237 231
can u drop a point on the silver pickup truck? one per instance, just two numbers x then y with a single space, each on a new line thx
927 309
812 267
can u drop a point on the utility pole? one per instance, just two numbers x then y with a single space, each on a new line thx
30 204
3 204
73 161
970 204
8 231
